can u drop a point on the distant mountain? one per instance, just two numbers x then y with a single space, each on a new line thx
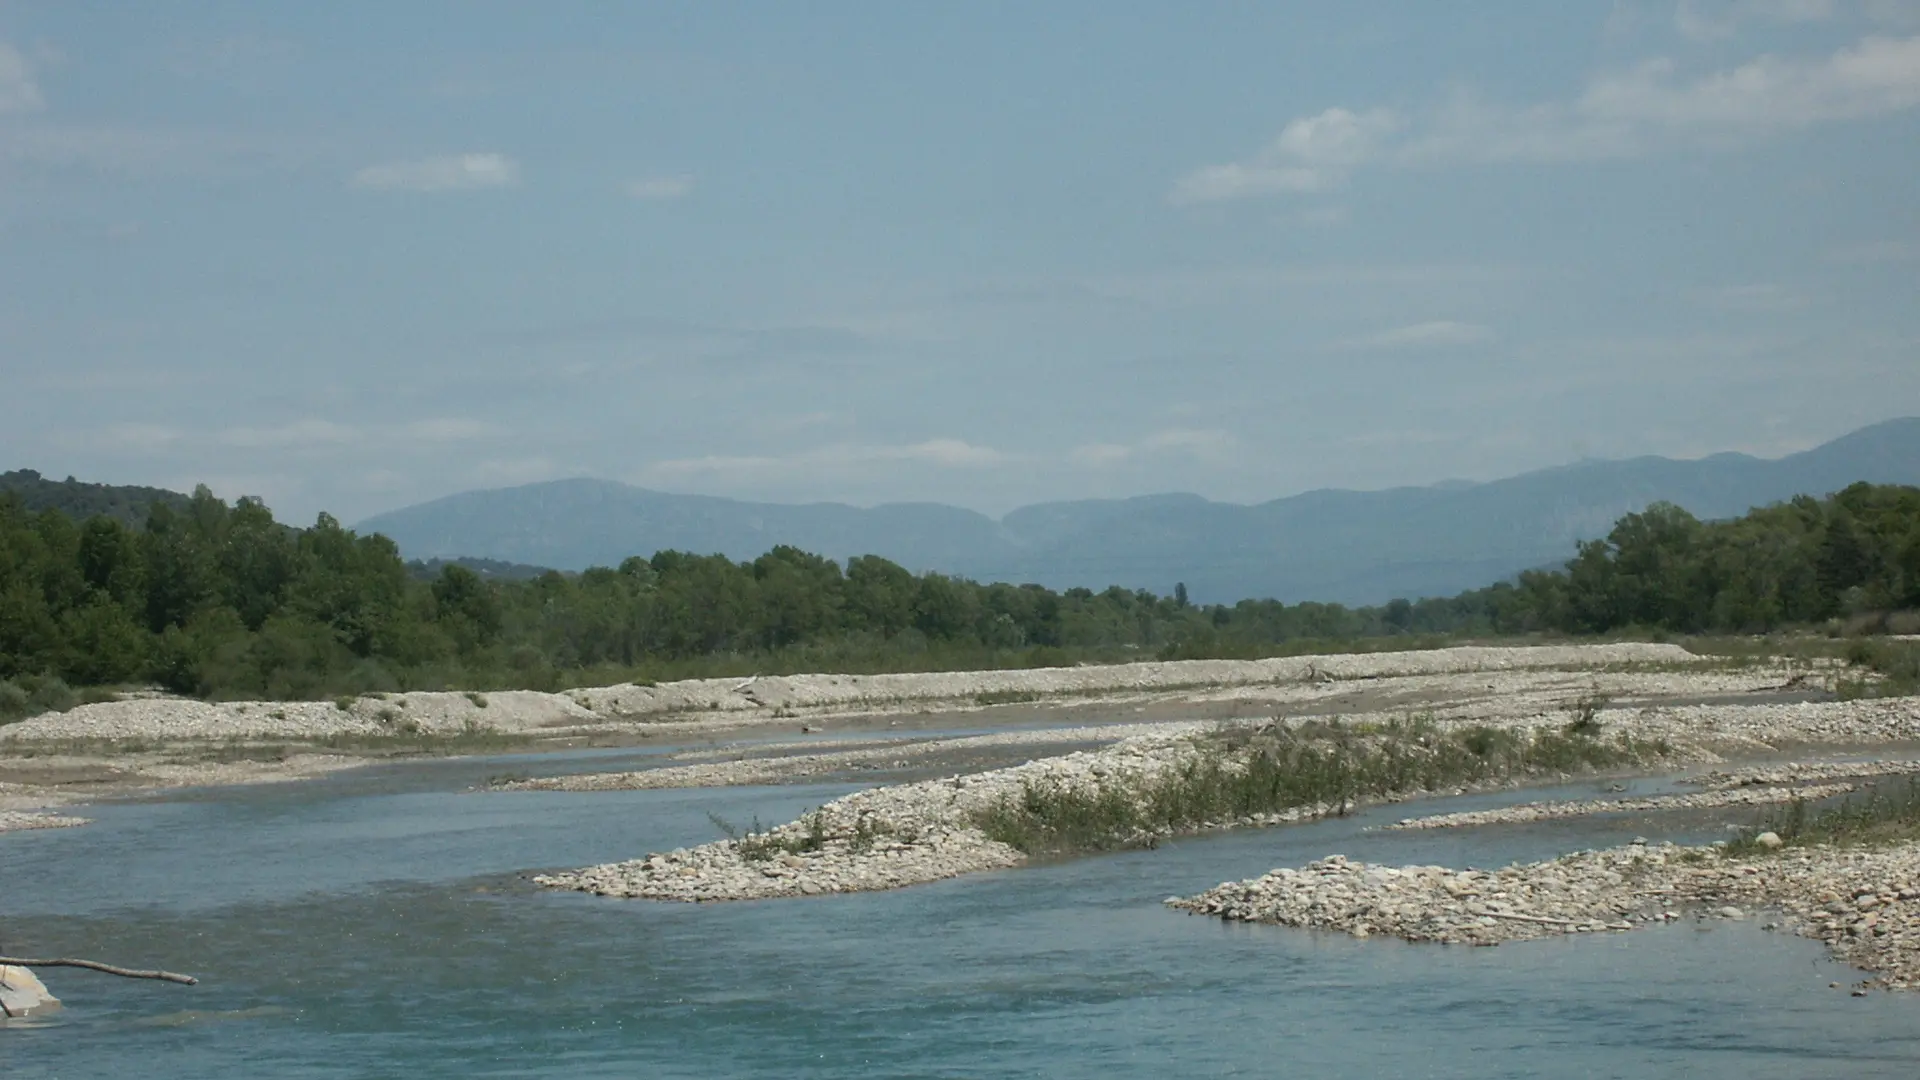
1346 546
127 504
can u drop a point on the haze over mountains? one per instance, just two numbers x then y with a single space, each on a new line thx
1355 547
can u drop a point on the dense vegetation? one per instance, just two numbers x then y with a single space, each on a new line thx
1794 563
219 600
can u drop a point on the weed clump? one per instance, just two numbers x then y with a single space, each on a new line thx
1885 814
1242 772
1005 697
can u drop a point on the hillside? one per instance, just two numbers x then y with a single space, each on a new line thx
126 504
1353 547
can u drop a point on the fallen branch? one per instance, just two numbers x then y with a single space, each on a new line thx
1517 917
95 965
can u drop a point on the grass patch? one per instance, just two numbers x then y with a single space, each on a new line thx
470 740
1885 669
756 843
1244 772
1885 814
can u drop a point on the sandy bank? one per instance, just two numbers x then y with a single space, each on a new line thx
718 701
1864 904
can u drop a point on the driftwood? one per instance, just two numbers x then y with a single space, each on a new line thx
95 965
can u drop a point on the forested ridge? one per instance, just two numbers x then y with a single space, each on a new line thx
125 503
217 600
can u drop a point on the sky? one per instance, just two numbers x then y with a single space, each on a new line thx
352 256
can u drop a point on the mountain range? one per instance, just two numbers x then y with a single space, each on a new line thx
1352 547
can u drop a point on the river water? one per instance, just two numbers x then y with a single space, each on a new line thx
376 924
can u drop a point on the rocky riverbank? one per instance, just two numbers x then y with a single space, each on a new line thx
909 833
1864 904
1550 811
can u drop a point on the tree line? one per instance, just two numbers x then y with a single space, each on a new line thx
215 600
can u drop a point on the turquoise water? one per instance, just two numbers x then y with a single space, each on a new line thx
375 924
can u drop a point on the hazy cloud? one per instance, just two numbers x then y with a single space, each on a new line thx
1441 332
300 433
1621 114
141 153
943 453
1202 443
444 429
1876 251
1755 299
19 93
1708 20
195 57
458 172
661 187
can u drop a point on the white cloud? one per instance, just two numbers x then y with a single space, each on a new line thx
661 187
1313 153
1647 108
1629 113
19 93
1439 333
458 172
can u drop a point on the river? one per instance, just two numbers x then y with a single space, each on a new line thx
376 923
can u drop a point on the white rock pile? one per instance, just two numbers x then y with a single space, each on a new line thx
1865 904
20 820
847 691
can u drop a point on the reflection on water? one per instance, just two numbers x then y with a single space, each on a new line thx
374 926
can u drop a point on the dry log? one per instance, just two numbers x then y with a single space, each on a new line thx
95 965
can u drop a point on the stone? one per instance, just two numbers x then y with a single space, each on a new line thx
1769 840
23 995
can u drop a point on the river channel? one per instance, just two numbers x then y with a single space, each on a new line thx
378 923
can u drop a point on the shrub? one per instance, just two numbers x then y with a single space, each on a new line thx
14 703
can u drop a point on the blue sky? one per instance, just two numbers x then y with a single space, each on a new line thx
351 256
